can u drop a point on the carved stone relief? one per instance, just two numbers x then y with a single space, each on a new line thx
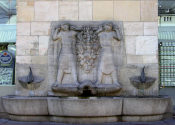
82 57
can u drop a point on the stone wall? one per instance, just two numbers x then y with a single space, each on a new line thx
140 35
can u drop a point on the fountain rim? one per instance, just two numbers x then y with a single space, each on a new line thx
83 98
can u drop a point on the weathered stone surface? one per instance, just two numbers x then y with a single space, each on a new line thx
25 106
139 48
163 122
90 107
149 11
7 90
29 118
134 59
25 44
25 11
142 81
23 29
146 106
130 43
125 73
150 59
85 10
68 10
85 120
133 28
30 81
87 110
43 45
40 28
142 118
38 69
2 110
103 10
23 59
127 10
134 70
147 45
46 10
39 60
151 28
79 50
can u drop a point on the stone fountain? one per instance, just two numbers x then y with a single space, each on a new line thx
84 59
30 82
142 82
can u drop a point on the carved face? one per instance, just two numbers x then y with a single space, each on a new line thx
65 27
108 27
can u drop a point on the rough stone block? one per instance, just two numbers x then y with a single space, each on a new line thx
7 90
46 10
149 10
130 42
23 59
142 118
84 120
146 45
85 107
125 73
43 45
85 10
151 28
103 10
146 106
25 106
25 11
29 118
150 59
133 28
24 44
68 10
39 60
34 52
23 29
38 70
133 59
40 28
127 10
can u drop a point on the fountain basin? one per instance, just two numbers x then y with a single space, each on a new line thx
87 110
137 83
19 105
146 106
85 107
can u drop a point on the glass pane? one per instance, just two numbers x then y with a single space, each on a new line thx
7 41
167 42
7 11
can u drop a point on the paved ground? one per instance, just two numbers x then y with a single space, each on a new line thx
165 122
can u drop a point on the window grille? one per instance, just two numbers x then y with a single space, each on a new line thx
167 63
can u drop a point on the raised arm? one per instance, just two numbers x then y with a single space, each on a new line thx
74 28
118 34
99 29
56 34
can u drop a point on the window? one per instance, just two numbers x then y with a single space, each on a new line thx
7 40
7 11
167 19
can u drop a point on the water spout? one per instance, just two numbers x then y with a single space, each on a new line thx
30 77
142 82
30 81
142 76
